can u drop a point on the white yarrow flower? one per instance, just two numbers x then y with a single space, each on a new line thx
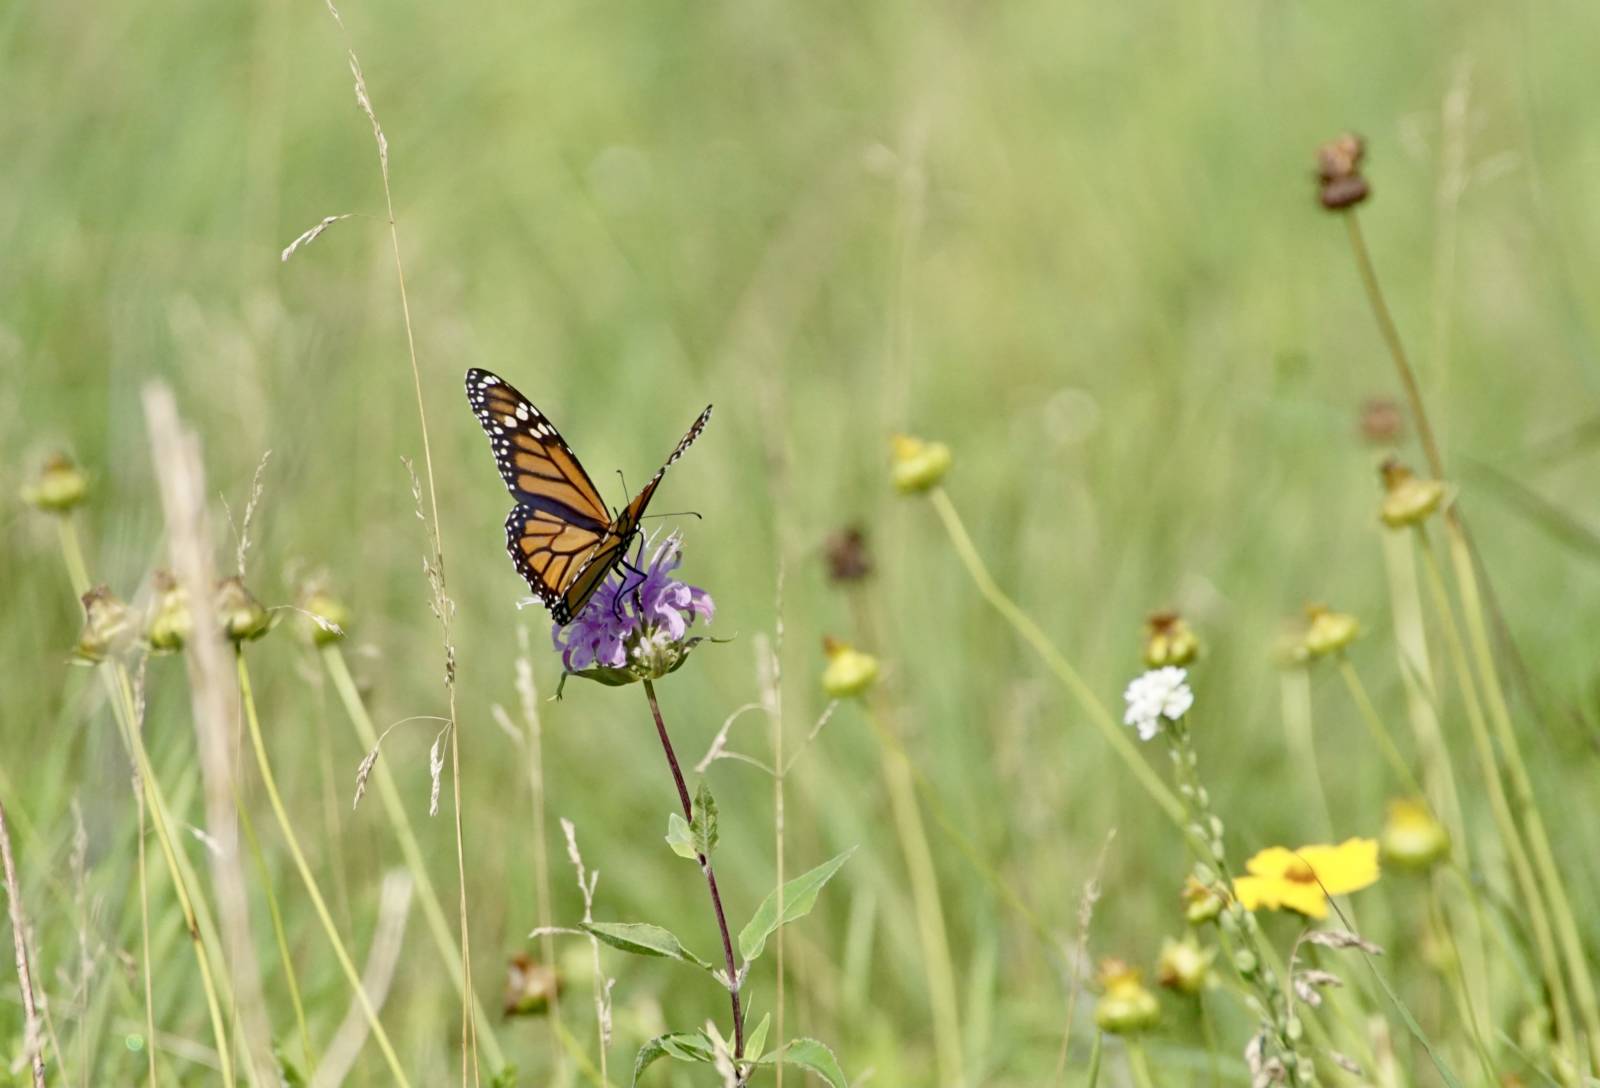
1158 694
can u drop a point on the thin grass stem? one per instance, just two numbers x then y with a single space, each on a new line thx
146 968
1380 732
936 963
389 794
1500 806
1034 635
396 1070
32 1040
278 935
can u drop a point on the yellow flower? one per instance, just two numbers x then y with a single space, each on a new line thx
1126 1007
1184 965
59 487
1301 880
1329 632
1408 499
1412 838
916 465
1168 640
849 671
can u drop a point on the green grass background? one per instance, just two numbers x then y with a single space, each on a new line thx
1077 242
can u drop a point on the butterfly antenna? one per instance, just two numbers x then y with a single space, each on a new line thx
675 514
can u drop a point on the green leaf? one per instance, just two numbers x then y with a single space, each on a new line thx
684 1046
757 1042
799 896
703 826
642 939
679 836
814 1057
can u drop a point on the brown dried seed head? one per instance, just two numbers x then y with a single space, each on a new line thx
847 555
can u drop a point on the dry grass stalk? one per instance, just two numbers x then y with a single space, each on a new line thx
394 907
19 928
602 985
180 478
309 236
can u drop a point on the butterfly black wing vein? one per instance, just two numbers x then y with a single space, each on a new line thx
562 539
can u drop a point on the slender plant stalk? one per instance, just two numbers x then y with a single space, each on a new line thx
1544 859
1380 732
144 938
1500 806
1031 632
1457 980
1294 693
292 840
936 964
19 946
279 935
711 881
410 849
1138 1064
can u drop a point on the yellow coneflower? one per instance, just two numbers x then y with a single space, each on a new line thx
1301 880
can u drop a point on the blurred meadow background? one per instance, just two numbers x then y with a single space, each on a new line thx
1078 244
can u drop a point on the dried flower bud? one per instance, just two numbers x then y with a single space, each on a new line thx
1168 640
60 485
325 617
241 614
529 986
849 671
106 625
1339 172
1413 838
1201 903
847 555
1125 1007
1184 966
1329 632
171 622
916 465
1383 422
1408 499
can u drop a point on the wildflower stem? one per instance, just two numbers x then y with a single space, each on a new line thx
897 774
72 554
1500 806
19 929
394 808
1549 870
1035 637
1459 990
278 934
1380 732
1294 691
396 1070
711 881
1139 1065
144 937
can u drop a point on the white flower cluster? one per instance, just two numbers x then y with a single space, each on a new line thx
1158 694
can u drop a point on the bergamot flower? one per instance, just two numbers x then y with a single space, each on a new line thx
1301 880
1159 695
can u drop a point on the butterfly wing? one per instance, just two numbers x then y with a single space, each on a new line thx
539 469
627 522
551 554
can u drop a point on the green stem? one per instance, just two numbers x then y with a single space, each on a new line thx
144 934
1114 735
1294 691
394 808
1500 806
1380 732
1549 870
278 934
936 964
309 879
1139 1065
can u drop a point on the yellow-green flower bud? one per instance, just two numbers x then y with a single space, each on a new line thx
1201 904
1329 632
106 625
171 622
530 986
241 615
915 465
1168 640
59 487
1412 837
849 671
327 617
1126 1007
1184 966
1408 499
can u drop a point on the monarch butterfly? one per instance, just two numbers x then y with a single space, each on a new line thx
561 536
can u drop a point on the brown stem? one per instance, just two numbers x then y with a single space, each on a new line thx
19 930
711 880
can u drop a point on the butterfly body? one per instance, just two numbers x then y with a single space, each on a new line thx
561 536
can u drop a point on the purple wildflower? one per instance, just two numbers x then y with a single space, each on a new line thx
651 613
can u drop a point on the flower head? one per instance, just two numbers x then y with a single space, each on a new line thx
636 624
1340 182
1126 1007
1184 966
849 671
170 623
60 485
1158 694
1329 632
1413 838
1408 499
1301 880
243 618
1168 640
106 625
916 465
